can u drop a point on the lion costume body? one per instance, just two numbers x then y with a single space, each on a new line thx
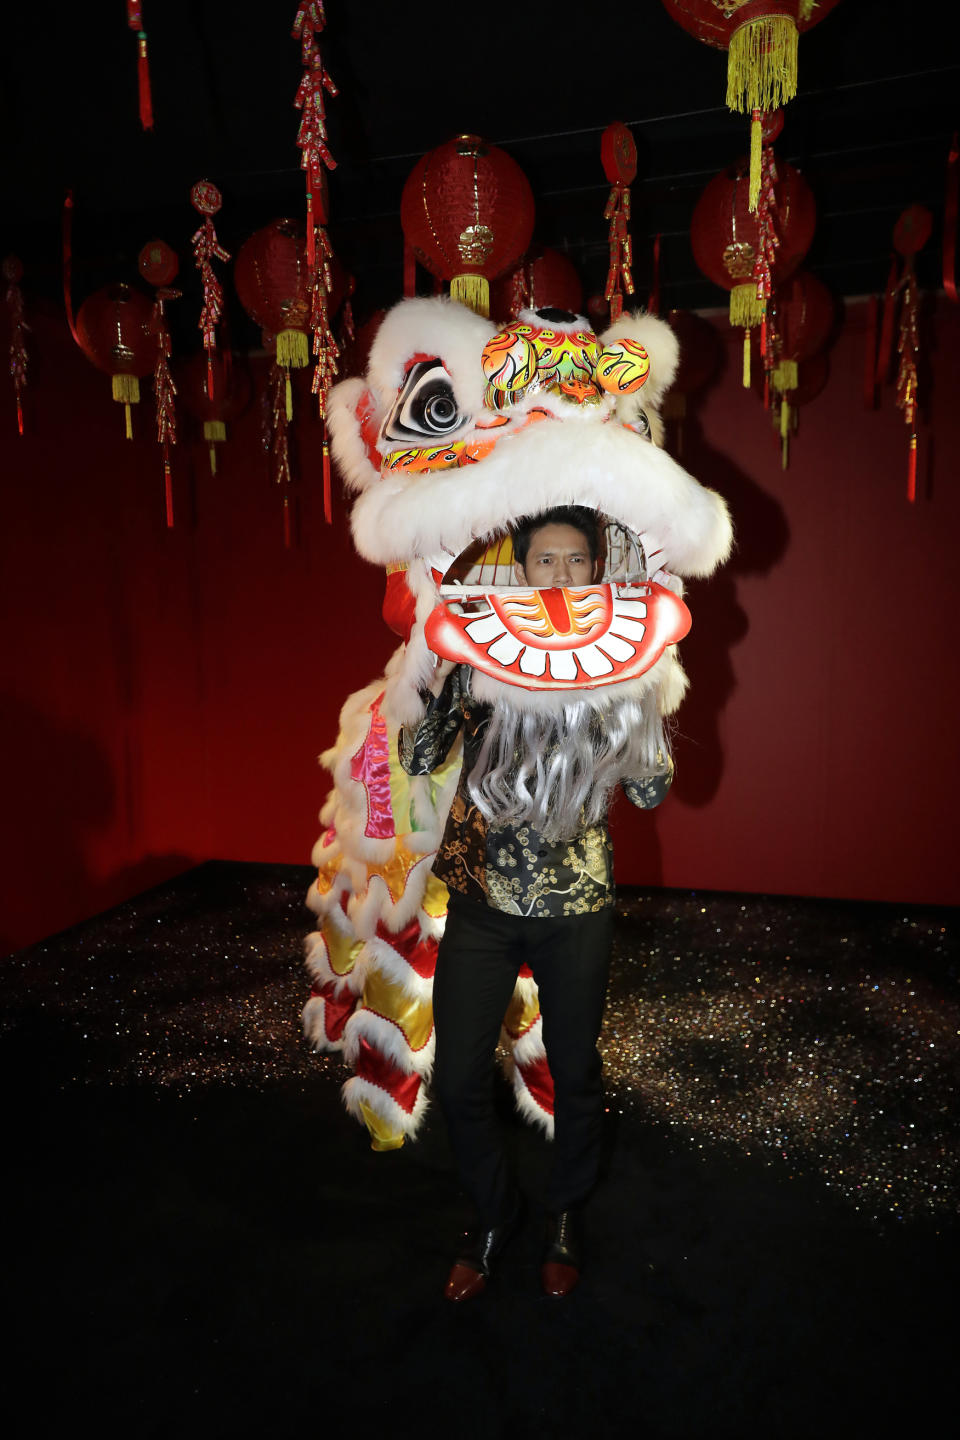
460 428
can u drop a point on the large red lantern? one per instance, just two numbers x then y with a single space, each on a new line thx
748 253
467 214
760 38
543 279
272 280
115 331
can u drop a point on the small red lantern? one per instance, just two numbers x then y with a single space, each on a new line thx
232 389
804 316
158 263
114 329
467 214
543 279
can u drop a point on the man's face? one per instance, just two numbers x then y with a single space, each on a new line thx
558 555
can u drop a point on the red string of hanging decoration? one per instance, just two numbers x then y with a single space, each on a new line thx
950 219
910 234
618 154
207 200
159 264
13 274
312 136
135 22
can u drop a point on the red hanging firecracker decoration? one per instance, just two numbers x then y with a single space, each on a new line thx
13 274
207 200
618 154
323 275
747 253
135 22
467 213
114 331
911 233
312 136
275 438
760 38
159 264
543 279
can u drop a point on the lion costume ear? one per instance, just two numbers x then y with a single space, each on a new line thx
661 344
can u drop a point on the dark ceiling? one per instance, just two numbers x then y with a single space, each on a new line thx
870 129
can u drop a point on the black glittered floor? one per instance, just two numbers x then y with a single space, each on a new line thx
201 1242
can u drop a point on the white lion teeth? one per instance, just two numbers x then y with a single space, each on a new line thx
594 662
616 648
533 661
633 629
506 649
486 628
563 666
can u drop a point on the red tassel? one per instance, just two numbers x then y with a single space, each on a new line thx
912 470
19 415
311 233
168 487
654 303
209 374
143 78
886 333
286 522
327 486
870 355
950 220
67 254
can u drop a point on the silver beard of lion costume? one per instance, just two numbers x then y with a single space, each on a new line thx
460 428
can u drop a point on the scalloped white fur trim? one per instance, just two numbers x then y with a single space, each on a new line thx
384 1105
313 1017
398 970
525 1102
386 1037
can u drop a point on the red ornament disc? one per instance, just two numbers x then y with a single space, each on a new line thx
618 152
205 197
912 230
158 262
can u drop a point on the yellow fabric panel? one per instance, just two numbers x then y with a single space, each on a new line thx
385 997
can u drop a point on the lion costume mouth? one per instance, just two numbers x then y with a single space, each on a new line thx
580 637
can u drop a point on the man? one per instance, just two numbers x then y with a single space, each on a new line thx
527 858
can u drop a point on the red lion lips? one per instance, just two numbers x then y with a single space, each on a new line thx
562 639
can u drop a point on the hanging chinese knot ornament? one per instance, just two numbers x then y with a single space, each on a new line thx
748 253
207 200
114 330
761 41
13 274
135 22
159 264
467 213
618 154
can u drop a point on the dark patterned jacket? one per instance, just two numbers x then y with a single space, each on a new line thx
511 867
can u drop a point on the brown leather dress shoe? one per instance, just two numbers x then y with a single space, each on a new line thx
563 1256
473 1266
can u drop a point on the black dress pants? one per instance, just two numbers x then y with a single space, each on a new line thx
480 954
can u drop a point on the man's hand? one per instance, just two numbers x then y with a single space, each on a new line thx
440 674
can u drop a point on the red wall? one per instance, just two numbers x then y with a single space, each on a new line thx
166 693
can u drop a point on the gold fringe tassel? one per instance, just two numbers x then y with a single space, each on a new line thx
785 376
288 394
756 151
784 434
746 359
214 430
762 64
293 349
745 308
126 389
472 291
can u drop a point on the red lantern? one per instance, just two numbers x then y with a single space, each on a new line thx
748 253
114 328
232 389
701 353
811 377
272 280
467 214
760 37
543 279
804 318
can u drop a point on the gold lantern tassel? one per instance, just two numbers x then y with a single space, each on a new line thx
745 306
746 359
756 151
785 376
762 64
126 390
472 291
293 349
784 433
213 431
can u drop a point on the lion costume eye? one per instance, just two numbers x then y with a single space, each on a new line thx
425 407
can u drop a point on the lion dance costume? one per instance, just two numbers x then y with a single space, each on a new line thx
460 428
